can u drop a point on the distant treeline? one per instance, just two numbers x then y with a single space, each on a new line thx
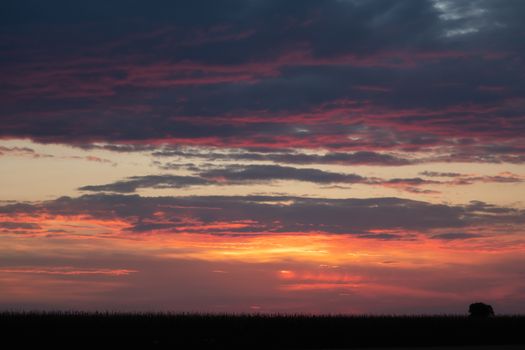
256 331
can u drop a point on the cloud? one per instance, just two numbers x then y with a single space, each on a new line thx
13 225
230 215
254 173
439 174
415 181
382 236
152 181
66 271
379 79
466 179
455 236
209 174
228 175
21 152
290 157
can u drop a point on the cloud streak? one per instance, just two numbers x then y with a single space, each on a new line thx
231 215
267 174
290 157
66 271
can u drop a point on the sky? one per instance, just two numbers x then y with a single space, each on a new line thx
266 156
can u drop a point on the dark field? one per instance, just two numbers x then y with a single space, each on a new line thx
258 331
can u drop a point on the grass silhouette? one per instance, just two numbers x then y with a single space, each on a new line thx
256 331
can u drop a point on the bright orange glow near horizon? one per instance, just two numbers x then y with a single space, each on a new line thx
348 266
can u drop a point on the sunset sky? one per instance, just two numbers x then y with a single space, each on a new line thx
312 156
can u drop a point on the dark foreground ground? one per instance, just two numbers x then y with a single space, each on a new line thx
257 331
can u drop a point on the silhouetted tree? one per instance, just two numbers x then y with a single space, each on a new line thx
480 310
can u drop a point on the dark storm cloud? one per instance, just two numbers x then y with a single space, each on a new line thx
265 214
285 74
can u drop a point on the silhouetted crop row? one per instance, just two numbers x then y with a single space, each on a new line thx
262 331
